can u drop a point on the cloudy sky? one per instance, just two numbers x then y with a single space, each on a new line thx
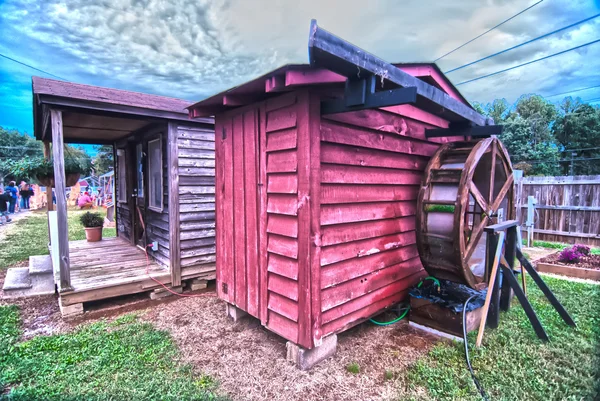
194 48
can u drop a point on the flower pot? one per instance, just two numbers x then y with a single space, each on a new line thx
93 234
48 180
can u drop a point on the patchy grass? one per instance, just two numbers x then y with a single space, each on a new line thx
125 360
353 368
29 236
513 364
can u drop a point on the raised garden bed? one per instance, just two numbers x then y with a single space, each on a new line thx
588 267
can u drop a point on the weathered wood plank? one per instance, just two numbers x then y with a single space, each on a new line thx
348 213
283 183
283 306
282 140
334 193
61 203
357 156
283 266
337 234
282 162
283 225
282 204
283 286
239 213
282 118
340 174
358 249
283 246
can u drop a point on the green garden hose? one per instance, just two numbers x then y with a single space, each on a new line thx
391 321
435 280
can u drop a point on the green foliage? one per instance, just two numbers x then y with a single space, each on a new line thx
440 208
103 162
537 134
90 220
353 368
513 364
15 146
126 360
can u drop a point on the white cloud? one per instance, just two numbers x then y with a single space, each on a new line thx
191 49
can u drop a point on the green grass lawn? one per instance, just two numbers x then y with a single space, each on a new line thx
29 236
122 360
513 364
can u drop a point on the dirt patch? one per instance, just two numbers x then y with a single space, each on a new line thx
250 362
535 254
586 262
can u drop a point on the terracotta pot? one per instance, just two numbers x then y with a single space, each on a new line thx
48 181
93 234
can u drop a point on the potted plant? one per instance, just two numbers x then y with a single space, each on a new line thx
43 170
93 223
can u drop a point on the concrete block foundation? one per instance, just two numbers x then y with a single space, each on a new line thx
304 359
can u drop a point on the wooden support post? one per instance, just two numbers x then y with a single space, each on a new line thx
174 244
61 202
492 260
510 253
492 281
549 295
48 189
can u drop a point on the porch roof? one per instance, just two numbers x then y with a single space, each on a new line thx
93 114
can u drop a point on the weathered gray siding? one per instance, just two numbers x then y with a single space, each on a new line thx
196 168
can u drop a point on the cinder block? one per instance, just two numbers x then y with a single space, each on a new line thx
234 312
70 310
197 284
161 293
304 359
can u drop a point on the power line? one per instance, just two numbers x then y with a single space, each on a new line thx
30 66
488 31
529 62
575 90
522 44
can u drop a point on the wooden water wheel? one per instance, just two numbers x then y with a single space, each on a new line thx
466 187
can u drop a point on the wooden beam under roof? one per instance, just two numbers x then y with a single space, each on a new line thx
328 51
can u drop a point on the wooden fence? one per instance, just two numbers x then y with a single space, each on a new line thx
567 210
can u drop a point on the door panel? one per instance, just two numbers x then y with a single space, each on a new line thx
238 216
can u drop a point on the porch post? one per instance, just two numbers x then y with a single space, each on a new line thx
48 189
61 202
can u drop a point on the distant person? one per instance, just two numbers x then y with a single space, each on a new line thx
26 192
11 189
85 201
4 199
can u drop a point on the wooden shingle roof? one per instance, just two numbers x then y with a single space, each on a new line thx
52 87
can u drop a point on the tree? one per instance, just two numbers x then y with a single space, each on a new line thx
577 130
103 162
15 146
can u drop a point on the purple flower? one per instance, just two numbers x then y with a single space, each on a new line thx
570 255
582 249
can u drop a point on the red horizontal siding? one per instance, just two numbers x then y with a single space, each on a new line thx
358 156
358 249
282 225
283 326
283 266
339 193
282 204
283 306
352 289
282 140
283 286
282 161
337 234
348 213
285 183
341 272
341 174
283 246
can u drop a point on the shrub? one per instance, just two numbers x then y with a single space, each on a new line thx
90 220
582 249
570 255
353 368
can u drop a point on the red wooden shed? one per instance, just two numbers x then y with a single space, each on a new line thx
316 211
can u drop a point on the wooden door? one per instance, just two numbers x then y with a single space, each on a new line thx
139 194
238 209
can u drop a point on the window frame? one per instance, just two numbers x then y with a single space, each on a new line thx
151 187
122 175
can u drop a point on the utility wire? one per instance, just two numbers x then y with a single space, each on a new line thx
488 31
529 62
575 90
32 67
522 44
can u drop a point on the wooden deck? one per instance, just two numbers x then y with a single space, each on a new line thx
110 268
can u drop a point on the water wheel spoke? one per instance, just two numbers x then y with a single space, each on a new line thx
492 173
503 191
475 237
478 197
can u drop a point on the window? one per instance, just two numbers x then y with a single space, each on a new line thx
155 175
122 173
139 162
